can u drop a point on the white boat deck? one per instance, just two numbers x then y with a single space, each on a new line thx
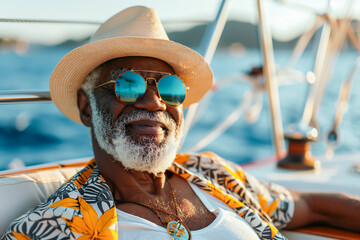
302 236
335 175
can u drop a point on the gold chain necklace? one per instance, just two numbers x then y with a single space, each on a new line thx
176 229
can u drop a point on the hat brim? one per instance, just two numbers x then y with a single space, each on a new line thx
72 69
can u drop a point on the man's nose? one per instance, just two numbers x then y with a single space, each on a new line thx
151 100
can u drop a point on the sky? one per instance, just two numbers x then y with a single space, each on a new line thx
287 20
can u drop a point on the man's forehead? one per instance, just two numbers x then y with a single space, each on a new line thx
138 63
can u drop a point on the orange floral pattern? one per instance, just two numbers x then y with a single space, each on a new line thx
20 236
75 211
83 208
90 226
246 195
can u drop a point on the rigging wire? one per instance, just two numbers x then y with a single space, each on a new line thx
353 38
228 122
303 42
223 126
343 99
23 20
13 20
333 36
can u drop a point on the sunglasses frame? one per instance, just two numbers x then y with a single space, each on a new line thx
147 85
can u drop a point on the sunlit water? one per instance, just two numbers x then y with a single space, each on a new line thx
39 133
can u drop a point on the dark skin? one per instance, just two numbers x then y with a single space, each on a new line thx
142 187
337 210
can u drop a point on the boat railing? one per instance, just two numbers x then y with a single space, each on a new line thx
24 96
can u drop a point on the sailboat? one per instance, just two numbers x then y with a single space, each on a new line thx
26 187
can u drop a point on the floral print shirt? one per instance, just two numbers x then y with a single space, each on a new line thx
84 208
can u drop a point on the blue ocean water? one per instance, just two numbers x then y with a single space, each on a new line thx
39 133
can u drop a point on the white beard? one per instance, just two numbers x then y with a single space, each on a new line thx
146 156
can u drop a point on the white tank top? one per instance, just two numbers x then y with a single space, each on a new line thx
227 225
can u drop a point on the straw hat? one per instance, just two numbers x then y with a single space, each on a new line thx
136 31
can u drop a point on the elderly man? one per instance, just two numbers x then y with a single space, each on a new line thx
129 86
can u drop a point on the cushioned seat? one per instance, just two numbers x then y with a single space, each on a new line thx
24 189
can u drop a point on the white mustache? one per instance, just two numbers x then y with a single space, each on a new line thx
137 115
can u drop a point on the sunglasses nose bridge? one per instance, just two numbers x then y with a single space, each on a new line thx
151 100
152 81
153 84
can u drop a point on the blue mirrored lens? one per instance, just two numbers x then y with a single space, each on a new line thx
172 90
130 87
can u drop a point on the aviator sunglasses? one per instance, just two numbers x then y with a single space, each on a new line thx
130 87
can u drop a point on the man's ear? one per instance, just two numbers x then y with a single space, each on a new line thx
84 108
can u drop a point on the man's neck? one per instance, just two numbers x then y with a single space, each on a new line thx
125 182
151 183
